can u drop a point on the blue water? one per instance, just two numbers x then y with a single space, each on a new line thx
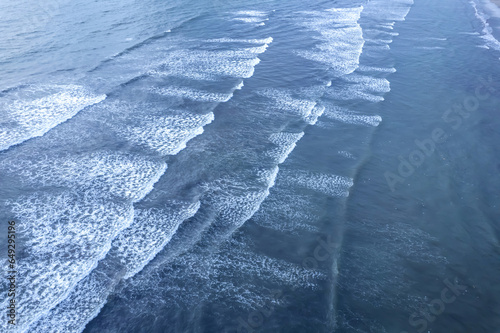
200 166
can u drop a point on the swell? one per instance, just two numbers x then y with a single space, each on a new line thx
298 105
115 110
225 208
145 42
11 135
32 110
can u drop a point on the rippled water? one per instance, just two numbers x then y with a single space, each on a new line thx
329 166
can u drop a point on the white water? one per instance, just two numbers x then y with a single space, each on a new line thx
32 111
233 206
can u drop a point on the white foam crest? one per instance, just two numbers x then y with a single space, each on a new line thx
379 42
268 176
380 47
240 86
378 32
167 135
337 16
235 201
193 94
487 32
395 10
250 13
259 49
312 118
33 111
212 64
234 207
470 33
351 117
84 303
387 25
122 175
250 19
154 227
363 68
65 235
369 83
431 48
284 100
243 52
205 65
346 15
341 39
363 87
336 186
286 143
267 40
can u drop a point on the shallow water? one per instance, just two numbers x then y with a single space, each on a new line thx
264 167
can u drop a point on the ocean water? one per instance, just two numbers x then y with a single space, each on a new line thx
264 166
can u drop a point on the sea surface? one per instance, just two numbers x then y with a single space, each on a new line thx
251 166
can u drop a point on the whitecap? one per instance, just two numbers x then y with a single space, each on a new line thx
192 94
351 117
340 36
116 174
167 135
285 143
487 32
33 111
66 234
333 185
284 100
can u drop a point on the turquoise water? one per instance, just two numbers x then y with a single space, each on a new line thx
329 166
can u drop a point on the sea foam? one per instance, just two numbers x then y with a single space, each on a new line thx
32 111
